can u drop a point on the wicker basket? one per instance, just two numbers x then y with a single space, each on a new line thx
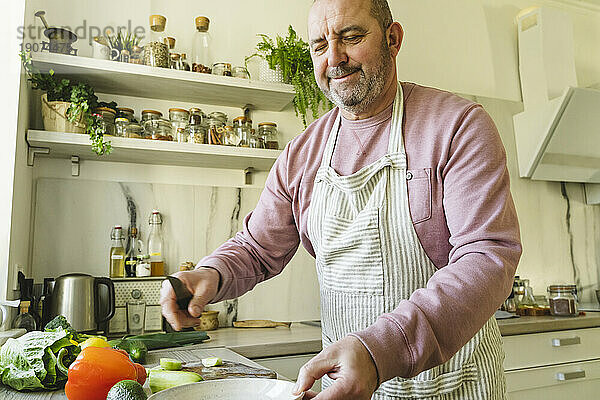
266 74
55 119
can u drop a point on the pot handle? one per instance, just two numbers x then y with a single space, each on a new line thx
111 299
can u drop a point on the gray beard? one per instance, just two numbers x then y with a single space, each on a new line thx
358 98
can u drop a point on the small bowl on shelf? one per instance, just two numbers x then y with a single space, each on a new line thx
209 321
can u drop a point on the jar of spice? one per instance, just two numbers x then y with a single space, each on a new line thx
156 52
134 130
255 141
242 131
180 121
108 120
120 124
230 137
197 128
240 72
158 129
221 69
218 116
150 114
124 112
196 116
269 135
563 300
216 131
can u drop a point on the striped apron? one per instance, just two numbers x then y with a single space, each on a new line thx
369 258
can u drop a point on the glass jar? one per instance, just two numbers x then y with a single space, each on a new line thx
158 129
156 52
198 133
196 116
216 131
185 65
108 120
269 135
150 114
230 137
175 61
120 124
134 130
124 112
221 69
219 116
563 300
180 121
240 72
242 131
254 141
201 54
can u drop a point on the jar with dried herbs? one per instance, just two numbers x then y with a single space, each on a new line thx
180 121
156 52
134 130
150 114
269 135
216 131
158 129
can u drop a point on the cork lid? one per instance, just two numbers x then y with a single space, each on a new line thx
158 23
151 112
178 110
125 109
202 24
105 109
267 124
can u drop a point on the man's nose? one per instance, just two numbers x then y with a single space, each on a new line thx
336 54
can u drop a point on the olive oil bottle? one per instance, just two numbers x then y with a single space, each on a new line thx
117 253
155 245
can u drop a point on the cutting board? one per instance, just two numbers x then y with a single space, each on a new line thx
260 323
229 369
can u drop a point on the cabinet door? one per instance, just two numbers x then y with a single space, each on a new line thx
289 366
566 381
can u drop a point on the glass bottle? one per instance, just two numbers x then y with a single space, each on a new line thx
156 52
180 121
132 252
117 253
155 245
185 65
25 320
201 55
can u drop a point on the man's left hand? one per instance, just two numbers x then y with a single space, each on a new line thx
349 364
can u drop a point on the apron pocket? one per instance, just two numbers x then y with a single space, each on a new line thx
429 384
419 194
350 258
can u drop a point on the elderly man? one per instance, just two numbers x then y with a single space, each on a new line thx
401 193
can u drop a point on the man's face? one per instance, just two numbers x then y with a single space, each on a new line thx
349 51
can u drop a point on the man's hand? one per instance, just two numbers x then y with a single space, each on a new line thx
349 363
203 283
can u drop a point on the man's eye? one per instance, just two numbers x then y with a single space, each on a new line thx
353 39
319 49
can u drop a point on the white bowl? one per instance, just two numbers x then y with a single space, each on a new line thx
231 389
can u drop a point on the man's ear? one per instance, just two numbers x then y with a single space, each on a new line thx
395 34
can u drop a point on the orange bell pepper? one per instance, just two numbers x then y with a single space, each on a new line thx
96 370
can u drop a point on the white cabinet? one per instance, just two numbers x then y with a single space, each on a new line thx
553 365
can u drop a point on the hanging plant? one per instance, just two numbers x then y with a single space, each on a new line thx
80 96
292 55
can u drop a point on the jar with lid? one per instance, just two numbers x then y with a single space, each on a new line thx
185 65
120 124
221 69
563 300
156 52
202 53
108 120
240 72
269 135
175 61
216 131
124 112
196 116
255 141
242 131
230 137
197 127
158 129
150 114
134 131
180 121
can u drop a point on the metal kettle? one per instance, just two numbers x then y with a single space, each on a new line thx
77 297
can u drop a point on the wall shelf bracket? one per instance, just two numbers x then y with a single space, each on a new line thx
247 109
75 166
248 175
32 151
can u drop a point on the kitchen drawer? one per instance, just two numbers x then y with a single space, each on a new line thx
580 380
539 349
288 366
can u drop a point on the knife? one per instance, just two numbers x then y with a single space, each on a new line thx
182 294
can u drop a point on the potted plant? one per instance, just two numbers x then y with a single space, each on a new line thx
291 55
67 105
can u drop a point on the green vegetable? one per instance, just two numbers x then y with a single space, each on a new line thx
155 341
127 390
136 349
161 380
212 361
170 364
292 55
59 322
37 360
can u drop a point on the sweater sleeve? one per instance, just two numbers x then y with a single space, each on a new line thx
267 242
436 321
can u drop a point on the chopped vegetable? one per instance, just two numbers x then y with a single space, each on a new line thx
212 361
170 364
161 379
127 390
136 349
96 370
37 360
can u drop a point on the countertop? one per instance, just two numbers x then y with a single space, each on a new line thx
523 325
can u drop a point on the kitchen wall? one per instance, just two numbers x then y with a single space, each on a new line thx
466 46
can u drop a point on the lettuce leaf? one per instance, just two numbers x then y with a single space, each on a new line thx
29 362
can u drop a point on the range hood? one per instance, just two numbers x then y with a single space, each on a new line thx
558 133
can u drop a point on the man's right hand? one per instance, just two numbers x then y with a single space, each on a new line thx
203 283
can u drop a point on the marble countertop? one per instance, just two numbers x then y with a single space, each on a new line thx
523 325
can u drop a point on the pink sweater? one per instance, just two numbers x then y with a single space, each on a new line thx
461 208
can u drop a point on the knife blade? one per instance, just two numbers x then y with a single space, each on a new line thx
182 294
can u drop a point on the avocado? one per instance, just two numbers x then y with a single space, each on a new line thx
162 379
127 390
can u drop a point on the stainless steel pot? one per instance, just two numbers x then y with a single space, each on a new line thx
76 296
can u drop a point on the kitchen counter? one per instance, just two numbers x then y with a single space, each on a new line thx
523 325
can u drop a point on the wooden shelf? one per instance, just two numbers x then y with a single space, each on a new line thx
112 77
143 151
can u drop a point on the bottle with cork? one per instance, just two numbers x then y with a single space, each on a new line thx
155 245
201 55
